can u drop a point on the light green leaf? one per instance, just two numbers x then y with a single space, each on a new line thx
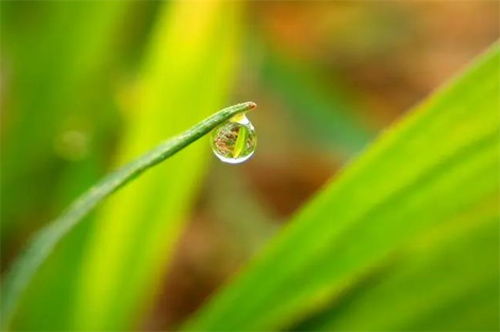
186 74
427 172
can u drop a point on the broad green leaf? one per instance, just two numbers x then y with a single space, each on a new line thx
443 282
185 76
433 170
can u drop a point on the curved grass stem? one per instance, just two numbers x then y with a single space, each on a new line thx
25 267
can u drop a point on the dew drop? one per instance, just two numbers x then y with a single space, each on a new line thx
234 141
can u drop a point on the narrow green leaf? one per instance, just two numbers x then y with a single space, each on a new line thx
437 164
241 140
187 71
43 243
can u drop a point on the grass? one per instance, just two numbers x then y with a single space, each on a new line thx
405 238
41 246
181 79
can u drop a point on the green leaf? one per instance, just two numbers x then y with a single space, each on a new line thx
186 73
439 284
240 141
433 170
26 266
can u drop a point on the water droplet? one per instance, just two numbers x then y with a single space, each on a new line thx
234 141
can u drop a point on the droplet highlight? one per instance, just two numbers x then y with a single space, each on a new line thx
234 141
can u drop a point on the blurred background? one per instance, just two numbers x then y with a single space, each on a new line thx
87 85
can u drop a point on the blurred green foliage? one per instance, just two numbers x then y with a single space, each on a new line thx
61 86
169 98
89 85
52 92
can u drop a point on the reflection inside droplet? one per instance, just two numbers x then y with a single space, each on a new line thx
234 141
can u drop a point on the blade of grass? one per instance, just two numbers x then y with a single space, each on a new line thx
43 243
440 162
428 292
186 67
429 286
